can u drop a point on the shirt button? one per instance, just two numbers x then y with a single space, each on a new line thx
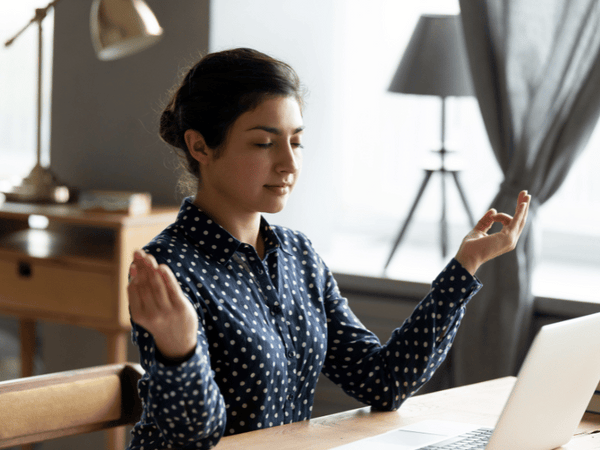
291 354
277 309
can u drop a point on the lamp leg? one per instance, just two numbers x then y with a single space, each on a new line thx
463 198
428 174
444 221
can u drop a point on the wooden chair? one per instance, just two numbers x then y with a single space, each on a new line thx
44 407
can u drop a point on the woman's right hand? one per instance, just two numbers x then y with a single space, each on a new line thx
157 303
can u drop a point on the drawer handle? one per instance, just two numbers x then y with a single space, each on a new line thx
24 269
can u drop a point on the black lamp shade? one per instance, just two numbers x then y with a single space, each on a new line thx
435 61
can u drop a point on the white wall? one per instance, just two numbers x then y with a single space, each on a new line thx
303 34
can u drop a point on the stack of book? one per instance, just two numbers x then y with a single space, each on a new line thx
132 203
594 405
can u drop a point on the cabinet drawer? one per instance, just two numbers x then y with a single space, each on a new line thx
56 290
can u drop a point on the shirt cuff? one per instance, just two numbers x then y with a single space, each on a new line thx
456 284
189 364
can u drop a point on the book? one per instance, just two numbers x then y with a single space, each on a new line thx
123 202
594 405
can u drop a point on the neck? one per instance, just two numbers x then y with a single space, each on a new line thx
244 227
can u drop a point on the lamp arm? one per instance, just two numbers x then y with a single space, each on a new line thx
40 14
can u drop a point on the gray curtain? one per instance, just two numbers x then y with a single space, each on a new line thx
536 71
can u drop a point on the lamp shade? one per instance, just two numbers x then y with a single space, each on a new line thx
435 61
122 27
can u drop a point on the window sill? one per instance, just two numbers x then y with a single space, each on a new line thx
561 289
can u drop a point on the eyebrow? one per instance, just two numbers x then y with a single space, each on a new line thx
275 131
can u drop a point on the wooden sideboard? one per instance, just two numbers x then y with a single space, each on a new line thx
74 271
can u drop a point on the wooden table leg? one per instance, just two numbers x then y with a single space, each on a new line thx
117 353
27 336
117 346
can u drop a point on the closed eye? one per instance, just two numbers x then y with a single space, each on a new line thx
270 144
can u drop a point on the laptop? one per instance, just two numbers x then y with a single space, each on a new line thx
553 388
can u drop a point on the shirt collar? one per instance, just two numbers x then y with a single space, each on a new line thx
217 242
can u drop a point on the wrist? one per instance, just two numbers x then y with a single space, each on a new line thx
173 361
175 352
469 264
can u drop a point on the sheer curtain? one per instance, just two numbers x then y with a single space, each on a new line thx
536 70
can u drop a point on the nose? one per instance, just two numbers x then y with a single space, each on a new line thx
290 159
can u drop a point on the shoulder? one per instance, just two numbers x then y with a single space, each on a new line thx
293 241
166 243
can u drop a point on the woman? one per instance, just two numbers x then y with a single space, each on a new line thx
234 318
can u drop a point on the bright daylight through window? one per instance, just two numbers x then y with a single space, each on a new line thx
18 90
387 138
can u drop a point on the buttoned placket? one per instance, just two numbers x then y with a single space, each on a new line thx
266 285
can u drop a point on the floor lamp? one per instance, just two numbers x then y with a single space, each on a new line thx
119 28
435 63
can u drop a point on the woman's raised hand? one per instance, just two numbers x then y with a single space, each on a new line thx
157 303
479 246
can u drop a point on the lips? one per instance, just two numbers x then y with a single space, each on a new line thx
281 189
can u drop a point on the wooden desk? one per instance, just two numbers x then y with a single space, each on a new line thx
74 272
479 403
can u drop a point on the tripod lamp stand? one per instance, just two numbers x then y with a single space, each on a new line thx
435 63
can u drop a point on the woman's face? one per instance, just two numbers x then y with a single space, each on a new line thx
259 164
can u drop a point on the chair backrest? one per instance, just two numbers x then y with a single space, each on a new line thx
39 408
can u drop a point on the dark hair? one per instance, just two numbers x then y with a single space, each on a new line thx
214 93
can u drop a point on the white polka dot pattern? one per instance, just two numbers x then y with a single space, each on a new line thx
267 328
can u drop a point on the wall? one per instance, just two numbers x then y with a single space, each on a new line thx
105 114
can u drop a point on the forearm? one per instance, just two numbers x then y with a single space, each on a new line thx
182 399
385 375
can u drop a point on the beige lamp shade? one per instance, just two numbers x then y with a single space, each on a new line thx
122 27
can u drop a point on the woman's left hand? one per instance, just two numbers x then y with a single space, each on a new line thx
479 246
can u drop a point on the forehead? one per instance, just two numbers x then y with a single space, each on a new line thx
277 112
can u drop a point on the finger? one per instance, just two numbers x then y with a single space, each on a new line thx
171 284
150 292
486 222
159 290
133 271
136 306
528 202
503 218
145 261
521 213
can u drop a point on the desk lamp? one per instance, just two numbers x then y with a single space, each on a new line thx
435 63
119 28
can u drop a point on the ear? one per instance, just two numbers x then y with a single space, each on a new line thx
197 146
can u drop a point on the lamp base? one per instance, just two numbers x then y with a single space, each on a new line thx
40 186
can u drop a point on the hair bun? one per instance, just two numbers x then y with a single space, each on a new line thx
169 129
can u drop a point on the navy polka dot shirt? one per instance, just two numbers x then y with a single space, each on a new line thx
268 328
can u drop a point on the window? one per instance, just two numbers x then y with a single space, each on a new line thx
18 90
386 142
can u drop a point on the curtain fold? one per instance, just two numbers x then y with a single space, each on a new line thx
536 71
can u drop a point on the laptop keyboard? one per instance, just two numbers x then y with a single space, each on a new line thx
472 440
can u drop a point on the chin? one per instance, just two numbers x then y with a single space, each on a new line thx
274 207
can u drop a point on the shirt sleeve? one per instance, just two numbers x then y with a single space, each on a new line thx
181 400
383 376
